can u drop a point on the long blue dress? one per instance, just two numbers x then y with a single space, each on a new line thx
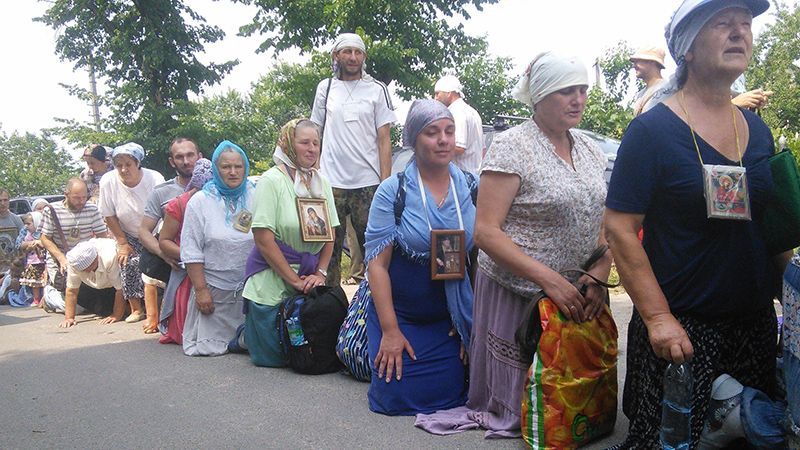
437 379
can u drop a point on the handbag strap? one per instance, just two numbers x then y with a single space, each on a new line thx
57 224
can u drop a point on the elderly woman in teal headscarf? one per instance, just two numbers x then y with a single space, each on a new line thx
215 241
418 327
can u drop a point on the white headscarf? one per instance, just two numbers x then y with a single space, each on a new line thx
548 73
349 40
682 30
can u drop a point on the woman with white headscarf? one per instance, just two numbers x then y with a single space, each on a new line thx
540 209
702 280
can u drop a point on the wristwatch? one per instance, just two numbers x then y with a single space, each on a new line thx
323 272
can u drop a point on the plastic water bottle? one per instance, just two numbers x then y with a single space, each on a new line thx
296 337
676 412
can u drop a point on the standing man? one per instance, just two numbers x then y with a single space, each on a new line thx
648 64
183 154
469 126
65 224
10 225
355 113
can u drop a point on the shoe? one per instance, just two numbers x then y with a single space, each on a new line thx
723 423
135 317
237 344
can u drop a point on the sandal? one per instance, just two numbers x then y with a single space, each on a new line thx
135 317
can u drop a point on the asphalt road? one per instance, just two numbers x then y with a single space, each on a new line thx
110 386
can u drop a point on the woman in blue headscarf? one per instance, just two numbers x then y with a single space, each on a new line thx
215 241
702 280
418 328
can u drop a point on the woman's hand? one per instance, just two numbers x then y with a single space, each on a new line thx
390 354
124 251
668 339
566 296
311 281
462 352
202 297
595 296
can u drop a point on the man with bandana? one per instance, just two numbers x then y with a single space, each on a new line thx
355 113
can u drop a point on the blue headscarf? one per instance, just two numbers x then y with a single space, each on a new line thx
413 237
217 188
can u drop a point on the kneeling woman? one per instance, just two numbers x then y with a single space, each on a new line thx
418 328
283 263
215 240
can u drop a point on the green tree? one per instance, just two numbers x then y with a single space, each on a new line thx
605 113
408 41
33 165
488 86
776 54
145 49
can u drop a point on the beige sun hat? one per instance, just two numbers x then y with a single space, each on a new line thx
654 54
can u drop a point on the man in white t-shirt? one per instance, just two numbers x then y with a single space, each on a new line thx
123 193
356 114
469 126
93 262
648 64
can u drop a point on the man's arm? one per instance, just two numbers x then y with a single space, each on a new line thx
150 242
55 252
124 249
385 150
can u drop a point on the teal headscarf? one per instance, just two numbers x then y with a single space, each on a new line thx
217 188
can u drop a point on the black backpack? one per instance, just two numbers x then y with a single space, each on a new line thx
308 326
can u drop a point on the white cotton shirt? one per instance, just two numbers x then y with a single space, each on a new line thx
208 238
469 135
107 274
355 111
127 203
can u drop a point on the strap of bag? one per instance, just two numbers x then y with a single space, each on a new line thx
325 116
530 329
57 224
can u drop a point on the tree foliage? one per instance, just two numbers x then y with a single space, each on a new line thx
488 85
605 113
776 55
408 41
33 165
145 50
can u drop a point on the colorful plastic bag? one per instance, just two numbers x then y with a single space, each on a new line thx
570 396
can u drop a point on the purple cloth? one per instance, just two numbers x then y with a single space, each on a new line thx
256 262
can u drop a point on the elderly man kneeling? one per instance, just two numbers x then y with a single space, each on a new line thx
93 262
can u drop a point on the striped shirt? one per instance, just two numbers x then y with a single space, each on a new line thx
77 226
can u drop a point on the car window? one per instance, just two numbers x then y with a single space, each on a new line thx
20 206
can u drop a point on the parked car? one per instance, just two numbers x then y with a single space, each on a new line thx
401 156
24 205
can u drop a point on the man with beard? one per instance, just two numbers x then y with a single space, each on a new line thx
355 113
183 154
64 225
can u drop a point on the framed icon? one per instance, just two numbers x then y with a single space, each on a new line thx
448 254
314 221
